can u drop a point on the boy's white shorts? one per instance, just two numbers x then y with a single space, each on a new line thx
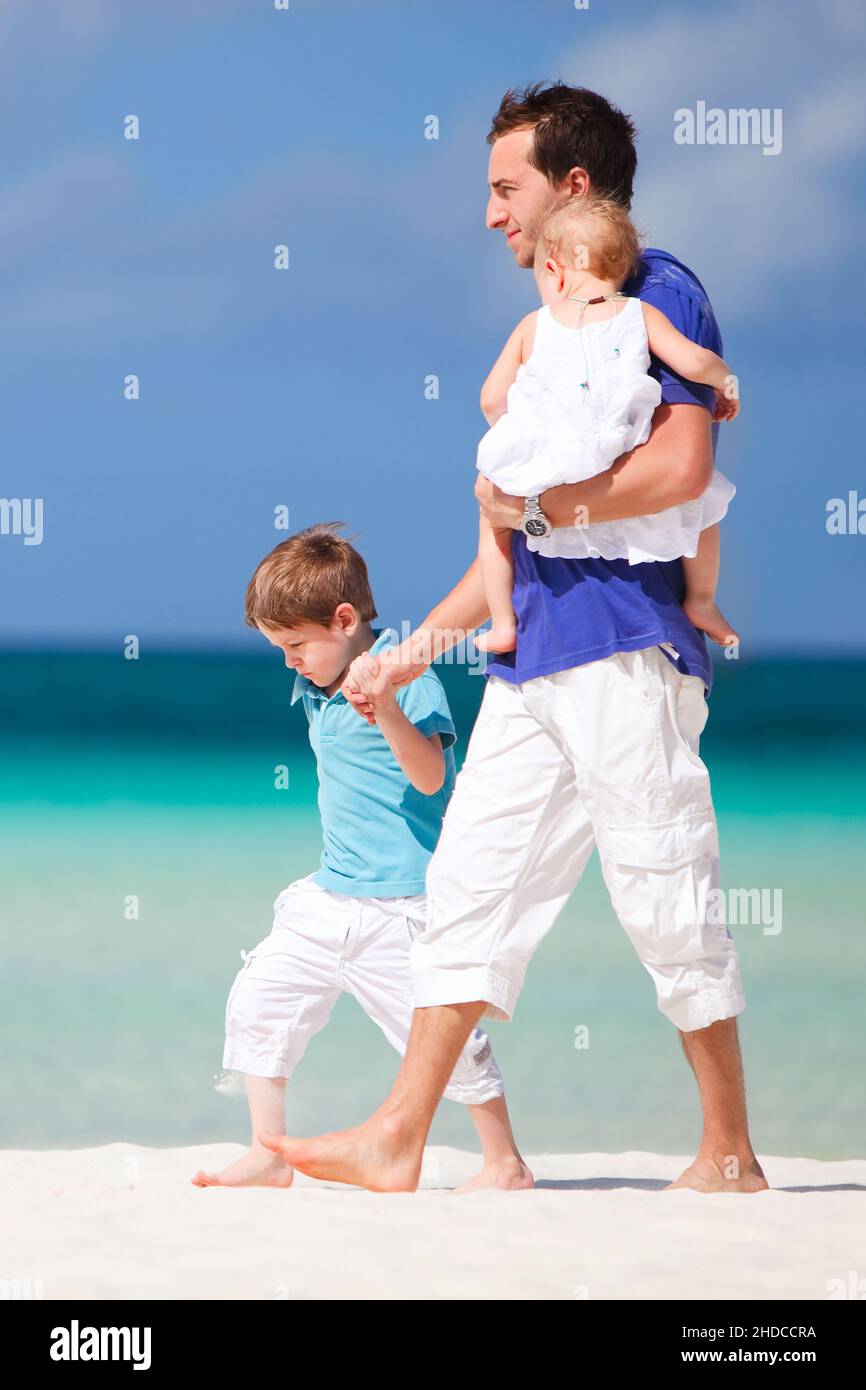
323 943
602 755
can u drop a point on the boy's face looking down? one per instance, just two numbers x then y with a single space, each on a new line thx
320 653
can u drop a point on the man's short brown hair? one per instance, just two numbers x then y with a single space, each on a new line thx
306 578
573 128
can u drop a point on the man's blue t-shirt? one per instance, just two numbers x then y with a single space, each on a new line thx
570 612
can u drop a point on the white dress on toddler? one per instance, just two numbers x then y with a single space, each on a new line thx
581 400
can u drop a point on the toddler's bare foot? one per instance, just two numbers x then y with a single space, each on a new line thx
510 1174
710 619
258 1168
500 638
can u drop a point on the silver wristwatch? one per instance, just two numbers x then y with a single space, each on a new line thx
533 521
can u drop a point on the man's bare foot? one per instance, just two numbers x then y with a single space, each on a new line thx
499 638
711 620
708 1175
509 1174
256 1169
381 1154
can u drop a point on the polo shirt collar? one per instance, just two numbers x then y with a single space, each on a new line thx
303 684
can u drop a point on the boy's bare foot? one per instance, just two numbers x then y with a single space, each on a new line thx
710 619
257 1168
499 638
509 1174
380 1154
705 1175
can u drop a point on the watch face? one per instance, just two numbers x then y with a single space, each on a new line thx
535 526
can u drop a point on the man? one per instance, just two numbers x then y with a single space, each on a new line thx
587 734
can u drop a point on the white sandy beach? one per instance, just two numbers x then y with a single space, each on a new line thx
123 1221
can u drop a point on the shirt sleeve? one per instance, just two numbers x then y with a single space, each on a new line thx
424 703
695 322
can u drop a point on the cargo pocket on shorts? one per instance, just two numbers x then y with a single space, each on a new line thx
247 957
660 879
262 1027
664 846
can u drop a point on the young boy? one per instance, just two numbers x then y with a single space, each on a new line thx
383 789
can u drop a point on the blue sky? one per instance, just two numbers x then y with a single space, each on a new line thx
305 388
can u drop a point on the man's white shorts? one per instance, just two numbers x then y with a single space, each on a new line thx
323 943
602 755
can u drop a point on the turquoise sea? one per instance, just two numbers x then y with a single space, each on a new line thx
154 780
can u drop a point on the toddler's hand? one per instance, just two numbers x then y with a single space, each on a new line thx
727 407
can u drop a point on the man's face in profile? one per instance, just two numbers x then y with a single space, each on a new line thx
519 194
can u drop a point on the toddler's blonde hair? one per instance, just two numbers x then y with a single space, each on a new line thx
590 233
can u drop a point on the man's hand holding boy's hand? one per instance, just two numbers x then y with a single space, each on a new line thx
371 681
371 688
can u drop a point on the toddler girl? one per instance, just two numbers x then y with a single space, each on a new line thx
570 393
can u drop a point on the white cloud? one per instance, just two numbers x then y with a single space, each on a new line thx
87 248
743 220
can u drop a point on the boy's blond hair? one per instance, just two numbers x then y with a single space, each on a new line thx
305 578
590 233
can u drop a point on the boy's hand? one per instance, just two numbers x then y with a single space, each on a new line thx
374 684
371 681
359 682
366 689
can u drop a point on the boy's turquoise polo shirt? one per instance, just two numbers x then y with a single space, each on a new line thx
378 830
